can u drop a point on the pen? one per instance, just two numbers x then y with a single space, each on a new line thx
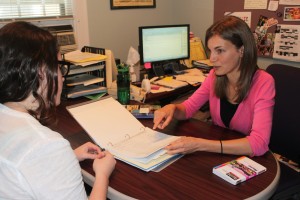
102 149
95 152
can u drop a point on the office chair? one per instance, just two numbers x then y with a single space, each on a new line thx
285 137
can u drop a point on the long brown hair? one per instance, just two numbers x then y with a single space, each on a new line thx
236 31
25 50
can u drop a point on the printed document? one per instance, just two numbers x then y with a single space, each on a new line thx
114 128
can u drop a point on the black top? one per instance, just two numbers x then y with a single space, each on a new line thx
227 111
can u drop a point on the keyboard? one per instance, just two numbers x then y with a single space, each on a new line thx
171 83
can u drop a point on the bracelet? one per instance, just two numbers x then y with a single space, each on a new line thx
221 147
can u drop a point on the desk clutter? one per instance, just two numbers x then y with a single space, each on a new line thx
188 76
90 73
142 111
192 76
85 72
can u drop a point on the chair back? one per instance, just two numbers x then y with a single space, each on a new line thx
285 137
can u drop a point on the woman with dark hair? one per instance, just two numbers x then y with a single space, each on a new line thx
36 162
240 95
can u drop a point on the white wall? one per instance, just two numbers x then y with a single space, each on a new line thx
81 24
117 30
199 14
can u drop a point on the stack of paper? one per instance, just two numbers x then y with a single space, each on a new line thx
83 79
84 58
128 140
169 82
192 76
81 90
202 64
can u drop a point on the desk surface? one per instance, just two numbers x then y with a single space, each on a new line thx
190 177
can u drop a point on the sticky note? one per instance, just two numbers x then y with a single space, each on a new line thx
144 110
147 65
168 78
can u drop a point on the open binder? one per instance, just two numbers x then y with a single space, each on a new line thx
112 127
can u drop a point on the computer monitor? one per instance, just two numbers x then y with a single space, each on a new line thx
164 43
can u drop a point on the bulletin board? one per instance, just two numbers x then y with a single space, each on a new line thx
222 7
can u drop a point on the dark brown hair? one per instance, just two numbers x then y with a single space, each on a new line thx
25 50
236 31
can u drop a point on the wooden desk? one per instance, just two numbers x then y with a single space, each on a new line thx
190 177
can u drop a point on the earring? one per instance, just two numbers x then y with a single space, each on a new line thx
242 52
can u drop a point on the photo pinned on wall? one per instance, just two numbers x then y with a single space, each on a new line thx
291 13
265 46
264 40
261 28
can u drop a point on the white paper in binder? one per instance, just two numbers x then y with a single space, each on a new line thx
128 140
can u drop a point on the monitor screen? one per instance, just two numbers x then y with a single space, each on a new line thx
164 43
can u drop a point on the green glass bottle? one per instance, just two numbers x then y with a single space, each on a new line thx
123 85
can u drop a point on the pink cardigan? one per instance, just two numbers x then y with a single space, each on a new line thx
253 116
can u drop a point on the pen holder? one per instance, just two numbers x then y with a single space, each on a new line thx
123 85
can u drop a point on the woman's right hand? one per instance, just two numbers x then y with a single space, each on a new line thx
105 165
163 116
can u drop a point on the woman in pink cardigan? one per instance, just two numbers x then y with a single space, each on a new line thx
240 95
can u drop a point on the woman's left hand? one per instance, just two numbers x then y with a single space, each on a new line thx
88 151
184 145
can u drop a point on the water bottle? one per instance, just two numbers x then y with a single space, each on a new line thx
123 85
146 86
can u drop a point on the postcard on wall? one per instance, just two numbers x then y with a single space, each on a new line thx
273 5
255 4
246 16
265 45
291 13
289 2
263 39
261 27
287 42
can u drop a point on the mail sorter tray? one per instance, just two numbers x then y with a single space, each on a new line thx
83 79
81 90
74 69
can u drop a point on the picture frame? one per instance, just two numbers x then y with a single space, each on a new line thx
132 4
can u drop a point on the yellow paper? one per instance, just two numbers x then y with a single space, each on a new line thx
197 51
82 57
